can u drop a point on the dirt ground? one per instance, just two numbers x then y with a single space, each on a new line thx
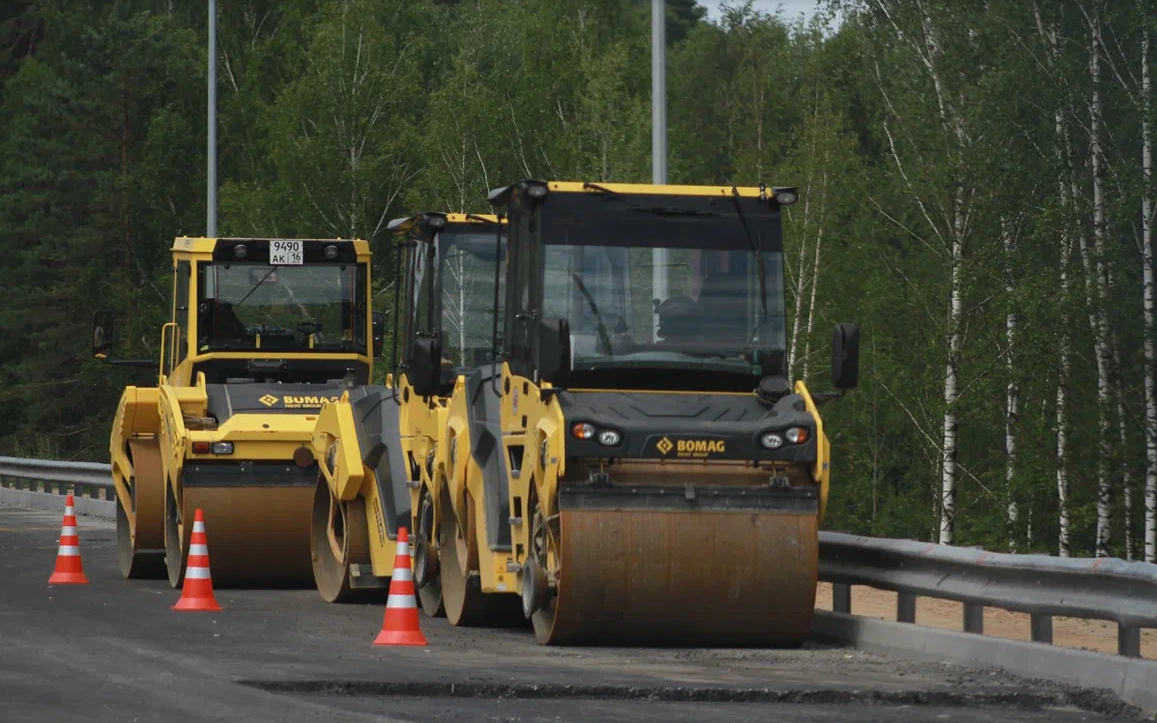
1097 635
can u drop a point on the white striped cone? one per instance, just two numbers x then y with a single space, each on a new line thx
197 592
69 568
400 624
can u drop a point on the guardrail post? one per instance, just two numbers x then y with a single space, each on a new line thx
906 608
973 618
842 598
1128 641
1042 628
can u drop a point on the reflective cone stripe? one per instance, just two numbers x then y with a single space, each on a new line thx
197 590
69 569
400 624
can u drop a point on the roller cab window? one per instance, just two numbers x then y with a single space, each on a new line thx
466 271
647 287
309 308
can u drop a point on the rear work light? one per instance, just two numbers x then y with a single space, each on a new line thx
213 447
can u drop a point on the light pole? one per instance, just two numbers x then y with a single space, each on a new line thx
658 137
211 231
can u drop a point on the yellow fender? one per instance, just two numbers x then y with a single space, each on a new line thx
173 436
822 469
548 432
136 415
335 446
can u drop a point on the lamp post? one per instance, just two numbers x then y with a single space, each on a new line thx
211 230
658 138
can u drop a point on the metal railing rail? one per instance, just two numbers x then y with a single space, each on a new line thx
1041 585
83 479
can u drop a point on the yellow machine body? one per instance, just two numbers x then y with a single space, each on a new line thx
228 427
695 519
380 448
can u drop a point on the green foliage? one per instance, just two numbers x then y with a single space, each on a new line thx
335 116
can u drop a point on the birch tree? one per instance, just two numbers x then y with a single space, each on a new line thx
943 203
1147 218
345 127
1012 392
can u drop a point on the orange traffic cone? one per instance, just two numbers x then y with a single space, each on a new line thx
197 592
400 625
69 569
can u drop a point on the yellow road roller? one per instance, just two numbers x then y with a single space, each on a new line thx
379 448
635 468
261 333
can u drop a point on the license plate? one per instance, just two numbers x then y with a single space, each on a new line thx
285 253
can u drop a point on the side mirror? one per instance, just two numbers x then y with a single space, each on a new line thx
425 373
846 356
379 326
554 350
103 333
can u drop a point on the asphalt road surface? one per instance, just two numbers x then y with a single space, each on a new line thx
114 651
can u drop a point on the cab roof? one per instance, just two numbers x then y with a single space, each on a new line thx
203 245
501 196
406 224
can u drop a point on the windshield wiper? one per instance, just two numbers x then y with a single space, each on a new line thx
661 210
669 211
603 335
486 221
754 247
259 283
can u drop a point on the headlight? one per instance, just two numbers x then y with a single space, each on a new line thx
331 252
793 435
796 435
222 448
609 437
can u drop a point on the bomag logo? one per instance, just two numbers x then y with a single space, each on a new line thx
294 402
691 448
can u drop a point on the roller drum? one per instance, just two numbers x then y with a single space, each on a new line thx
258 536
141 541
718 578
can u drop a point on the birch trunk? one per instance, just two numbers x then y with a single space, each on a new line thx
1063 372
1126 476
1012 396
1147 270
811 308
1068 194
951 387
1095 289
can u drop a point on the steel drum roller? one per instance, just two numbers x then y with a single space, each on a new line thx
738 579
258 536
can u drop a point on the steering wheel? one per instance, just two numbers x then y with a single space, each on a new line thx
309 327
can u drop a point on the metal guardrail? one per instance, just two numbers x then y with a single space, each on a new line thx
1043 586
41 475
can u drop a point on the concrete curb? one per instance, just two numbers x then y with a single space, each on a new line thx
1133 680
105 509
